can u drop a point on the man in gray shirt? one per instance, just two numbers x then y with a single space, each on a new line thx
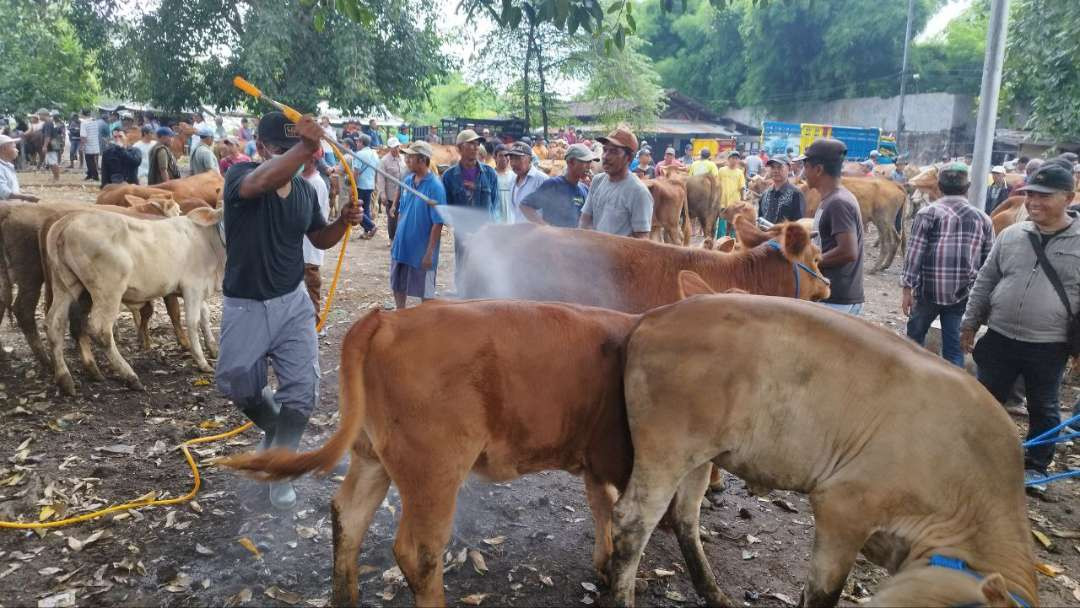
618 203
202 157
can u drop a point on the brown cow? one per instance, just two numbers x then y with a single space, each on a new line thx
498 414
207 187
957 492
669 211
525 261
181 139
744 210
703 201
1009 212
116 194
879 202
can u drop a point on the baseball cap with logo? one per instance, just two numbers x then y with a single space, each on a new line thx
621 137
519 148
468 135
580 152
954 174
419 147
998 169
778 160
393 142
276 130
1049 179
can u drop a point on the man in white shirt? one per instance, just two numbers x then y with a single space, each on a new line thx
527 179
313 256
144 146
9 182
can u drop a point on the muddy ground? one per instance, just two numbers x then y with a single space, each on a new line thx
107 445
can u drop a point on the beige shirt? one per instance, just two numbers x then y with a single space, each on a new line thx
395 167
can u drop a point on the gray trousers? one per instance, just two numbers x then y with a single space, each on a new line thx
279 331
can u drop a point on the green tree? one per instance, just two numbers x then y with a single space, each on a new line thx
952 62
1041 71
698 52
186 52
623 84
455 97
44 64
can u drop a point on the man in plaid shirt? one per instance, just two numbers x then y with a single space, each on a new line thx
950 240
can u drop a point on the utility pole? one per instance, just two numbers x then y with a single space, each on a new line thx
988 101
903 72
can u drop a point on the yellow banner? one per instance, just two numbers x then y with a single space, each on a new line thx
812 132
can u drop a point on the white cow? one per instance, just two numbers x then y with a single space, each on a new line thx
130 261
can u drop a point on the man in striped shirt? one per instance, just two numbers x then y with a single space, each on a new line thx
950 240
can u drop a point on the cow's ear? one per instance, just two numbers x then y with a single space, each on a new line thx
996 592
749 234
204 216
169 207
794 239
133 200
726 244
691 284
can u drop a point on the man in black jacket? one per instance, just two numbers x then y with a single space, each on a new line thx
998 191
119 163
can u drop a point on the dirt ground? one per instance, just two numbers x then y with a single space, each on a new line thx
107 445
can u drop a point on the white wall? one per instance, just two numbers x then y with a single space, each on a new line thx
923 113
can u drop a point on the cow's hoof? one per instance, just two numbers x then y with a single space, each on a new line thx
67 385
205 367
94 374
135 385
184 344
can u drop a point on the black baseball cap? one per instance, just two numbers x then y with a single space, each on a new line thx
275 129
825 150
778 160
1049 179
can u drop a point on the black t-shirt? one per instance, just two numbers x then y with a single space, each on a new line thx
839 212
264 237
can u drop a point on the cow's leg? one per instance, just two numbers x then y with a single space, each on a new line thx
601 497
687 511
100 323
351 513
207 332
840 530
172 306
142 322
193 305
24 307
77 329
635 517
55 321
427 518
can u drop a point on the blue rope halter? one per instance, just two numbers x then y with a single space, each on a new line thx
952 563
796 266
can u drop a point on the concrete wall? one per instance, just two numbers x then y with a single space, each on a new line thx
923 113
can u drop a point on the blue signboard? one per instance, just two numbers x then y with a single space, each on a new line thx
780 137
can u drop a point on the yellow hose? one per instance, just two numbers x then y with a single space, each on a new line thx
142 502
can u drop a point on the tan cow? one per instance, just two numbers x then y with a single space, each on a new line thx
822 403
879 202
116 194
498 414
526 261
208 187
703 199
1010 211
669 211
136 262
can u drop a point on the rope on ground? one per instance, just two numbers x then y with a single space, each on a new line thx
146 501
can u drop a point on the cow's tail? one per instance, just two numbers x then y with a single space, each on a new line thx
905 210
279 463
43 251
6 286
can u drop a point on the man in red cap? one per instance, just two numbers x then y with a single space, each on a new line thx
618 203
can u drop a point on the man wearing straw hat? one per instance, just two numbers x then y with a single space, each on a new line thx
267 315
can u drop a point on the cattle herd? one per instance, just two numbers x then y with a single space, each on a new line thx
641 365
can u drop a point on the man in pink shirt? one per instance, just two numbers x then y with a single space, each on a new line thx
232 156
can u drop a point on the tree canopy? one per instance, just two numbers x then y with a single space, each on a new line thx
186 52
44 64
1041 71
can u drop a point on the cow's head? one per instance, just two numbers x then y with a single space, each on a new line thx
932 586
793 249
167 207
724 244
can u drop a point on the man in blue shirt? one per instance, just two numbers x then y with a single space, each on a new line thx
472 184
363 166
414 256
558 201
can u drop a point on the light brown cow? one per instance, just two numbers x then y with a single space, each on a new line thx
1009 212
958 490
498 414
136 262
879 202
669 211
208 187
703 200
525 261
116 194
